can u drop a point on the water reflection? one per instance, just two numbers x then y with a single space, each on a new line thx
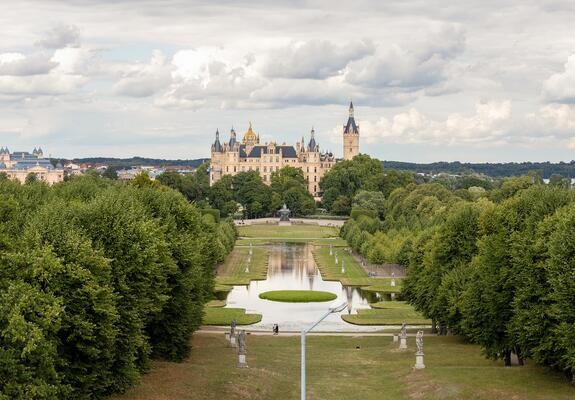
292 267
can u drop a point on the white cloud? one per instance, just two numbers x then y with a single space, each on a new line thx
146 80
17 64
60 36
414 66
554 119
560 87
490 123
314 59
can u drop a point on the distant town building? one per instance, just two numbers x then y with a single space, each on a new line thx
19 164
233 157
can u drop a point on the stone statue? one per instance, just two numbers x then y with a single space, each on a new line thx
242 362
242 342
419 342
403 337
233 328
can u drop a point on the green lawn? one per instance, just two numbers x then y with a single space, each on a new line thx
299 231
233 272
224 316
334 241
354 274
298 296
338 369
387 313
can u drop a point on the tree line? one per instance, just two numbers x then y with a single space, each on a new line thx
97 278
246 191
493 170
495 267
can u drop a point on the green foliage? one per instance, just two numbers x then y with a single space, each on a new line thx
95 278
357 212
110 173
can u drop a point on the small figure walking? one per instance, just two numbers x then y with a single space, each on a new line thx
276 329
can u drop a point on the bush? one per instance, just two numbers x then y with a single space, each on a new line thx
357 212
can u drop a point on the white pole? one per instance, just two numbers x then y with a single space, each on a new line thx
303 333
303 364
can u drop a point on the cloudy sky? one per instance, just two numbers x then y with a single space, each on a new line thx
430 80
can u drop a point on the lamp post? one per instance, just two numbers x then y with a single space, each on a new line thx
303 333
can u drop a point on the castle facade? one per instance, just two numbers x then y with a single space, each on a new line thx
234 156
19 164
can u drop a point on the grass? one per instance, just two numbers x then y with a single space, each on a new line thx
338 370
216 303
298 296
233 271
299 231
224 316
335 242
354 274
387 313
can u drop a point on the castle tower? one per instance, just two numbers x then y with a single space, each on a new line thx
216 162
350 136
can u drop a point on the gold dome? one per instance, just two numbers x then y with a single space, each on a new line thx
250 135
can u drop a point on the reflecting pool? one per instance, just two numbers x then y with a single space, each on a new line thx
292 267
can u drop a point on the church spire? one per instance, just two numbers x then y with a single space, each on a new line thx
351 109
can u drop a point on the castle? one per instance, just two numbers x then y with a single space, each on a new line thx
19 164
233 157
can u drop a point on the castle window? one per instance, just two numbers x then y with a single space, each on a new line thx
314 188
314 169
307 169
258 169
235 169
315 178
265 169
227 169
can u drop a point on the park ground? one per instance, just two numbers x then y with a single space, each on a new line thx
358 368
339 367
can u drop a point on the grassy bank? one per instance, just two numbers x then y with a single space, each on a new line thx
233 271
299 231
337 369
224 316
354 274
387 313
298 296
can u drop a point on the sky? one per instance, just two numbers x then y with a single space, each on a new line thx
471 80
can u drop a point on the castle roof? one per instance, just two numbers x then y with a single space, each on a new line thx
312 144
217 147
258 150
351 126
250 135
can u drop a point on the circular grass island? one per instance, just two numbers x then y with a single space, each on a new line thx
298 296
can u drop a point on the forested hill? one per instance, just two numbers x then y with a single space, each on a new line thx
489 169
129 162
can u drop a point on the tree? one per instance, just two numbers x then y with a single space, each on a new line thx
559 181
348 177
367 200
110 173
31 178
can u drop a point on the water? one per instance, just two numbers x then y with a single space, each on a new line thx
292 267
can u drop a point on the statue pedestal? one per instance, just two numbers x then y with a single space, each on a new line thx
403 343
233 341
395 338
419 361
284 223
242 362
